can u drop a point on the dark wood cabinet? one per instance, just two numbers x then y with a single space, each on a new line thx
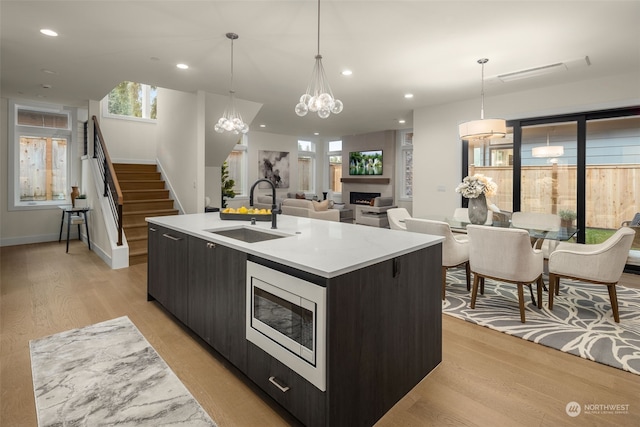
168 269
217 297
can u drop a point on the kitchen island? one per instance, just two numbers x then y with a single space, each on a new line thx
375 309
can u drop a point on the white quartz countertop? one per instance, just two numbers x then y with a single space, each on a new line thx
324 248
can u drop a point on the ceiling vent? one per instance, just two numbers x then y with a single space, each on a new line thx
542 70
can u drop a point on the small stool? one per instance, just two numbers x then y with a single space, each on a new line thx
75 216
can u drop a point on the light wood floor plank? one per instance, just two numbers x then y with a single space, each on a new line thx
487 378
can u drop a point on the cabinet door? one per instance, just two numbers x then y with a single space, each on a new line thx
230 295
217 277
201 288
168 269
156 281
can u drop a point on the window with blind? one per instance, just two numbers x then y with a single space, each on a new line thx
41 140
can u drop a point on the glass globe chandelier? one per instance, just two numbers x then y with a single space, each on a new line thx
483 128
318 98
231 120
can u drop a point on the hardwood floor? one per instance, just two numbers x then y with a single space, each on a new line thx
486 378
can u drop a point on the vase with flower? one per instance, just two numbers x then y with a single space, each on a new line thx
477 188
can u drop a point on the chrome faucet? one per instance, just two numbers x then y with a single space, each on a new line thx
274 207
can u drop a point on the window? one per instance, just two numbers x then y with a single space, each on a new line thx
41 151
237 163
592 174
132 100
406 166
335 166
306 166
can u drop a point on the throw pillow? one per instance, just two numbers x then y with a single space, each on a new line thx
300 196
320 206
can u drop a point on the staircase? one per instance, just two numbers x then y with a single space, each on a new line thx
144 196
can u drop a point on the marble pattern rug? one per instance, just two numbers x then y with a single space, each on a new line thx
108 374
581 322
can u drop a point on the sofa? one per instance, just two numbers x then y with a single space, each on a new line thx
310 209
265 202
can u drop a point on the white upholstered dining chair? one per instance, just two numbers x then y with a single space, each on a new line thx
455 248
539 221
396 217
600 263
504 254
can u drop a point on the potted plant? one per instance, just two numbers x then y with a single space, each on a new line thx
227 185
567 217
81 201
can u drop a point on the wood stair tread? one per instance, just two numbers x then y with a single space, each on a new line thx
148 200
153 211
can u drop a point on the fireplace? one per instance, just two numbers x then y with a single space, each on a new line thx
360 198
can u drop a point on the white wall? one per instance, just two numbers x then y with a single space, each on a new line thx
180 148
29 226
258 141
437 148
129 141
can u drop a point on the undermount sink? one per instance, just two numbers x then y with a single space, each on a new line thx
247 235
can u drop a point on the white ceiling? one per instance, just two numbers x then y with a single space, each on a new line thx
428 48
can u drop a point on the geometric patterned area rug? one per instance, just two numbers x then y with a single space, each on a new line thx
108 374
581 322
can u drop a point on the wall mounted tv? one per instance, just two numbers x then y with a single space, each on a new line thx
365 162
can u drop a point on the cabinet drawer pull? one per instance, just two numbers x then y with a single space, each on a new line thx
152 229
273 381
169 236
211 245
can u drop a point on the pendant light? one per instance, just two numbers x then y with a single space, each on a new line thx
548 150
231 120
483 128
318 97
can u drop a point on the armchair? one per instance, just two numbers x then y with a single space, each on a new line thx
455 249
634 224
600 263
504 254
396 217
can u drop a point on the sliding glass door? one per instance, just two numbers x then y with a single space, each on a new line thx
584 167
548 169
612 175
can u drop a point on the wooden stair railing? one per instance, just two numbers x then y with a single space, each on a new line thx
111 186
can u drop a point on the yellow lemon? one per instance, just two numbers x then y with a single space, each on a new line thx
232 210
263 211
242 210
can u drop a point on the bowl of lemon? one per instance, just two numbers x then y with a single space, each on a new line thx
245 214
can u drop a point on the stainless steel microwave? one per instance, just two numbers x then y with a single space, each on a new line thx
286 317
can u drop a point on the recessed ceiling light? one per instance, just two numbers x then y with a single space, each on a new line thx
346 72
263 125
316 133
408 95
48 32
46 86
182 66
402 121
44 70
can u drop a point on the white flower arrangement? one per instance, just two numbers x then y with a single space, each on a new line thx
473 186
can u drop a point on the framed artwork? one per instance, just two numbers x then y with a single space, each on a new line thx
274 166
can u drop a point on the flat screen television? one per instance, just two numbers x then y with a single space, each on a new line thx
365 162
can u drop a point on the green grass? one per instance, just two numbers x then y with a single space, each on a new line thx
598 235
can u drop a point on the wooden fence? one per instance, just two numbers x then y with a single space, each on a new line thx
612 193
